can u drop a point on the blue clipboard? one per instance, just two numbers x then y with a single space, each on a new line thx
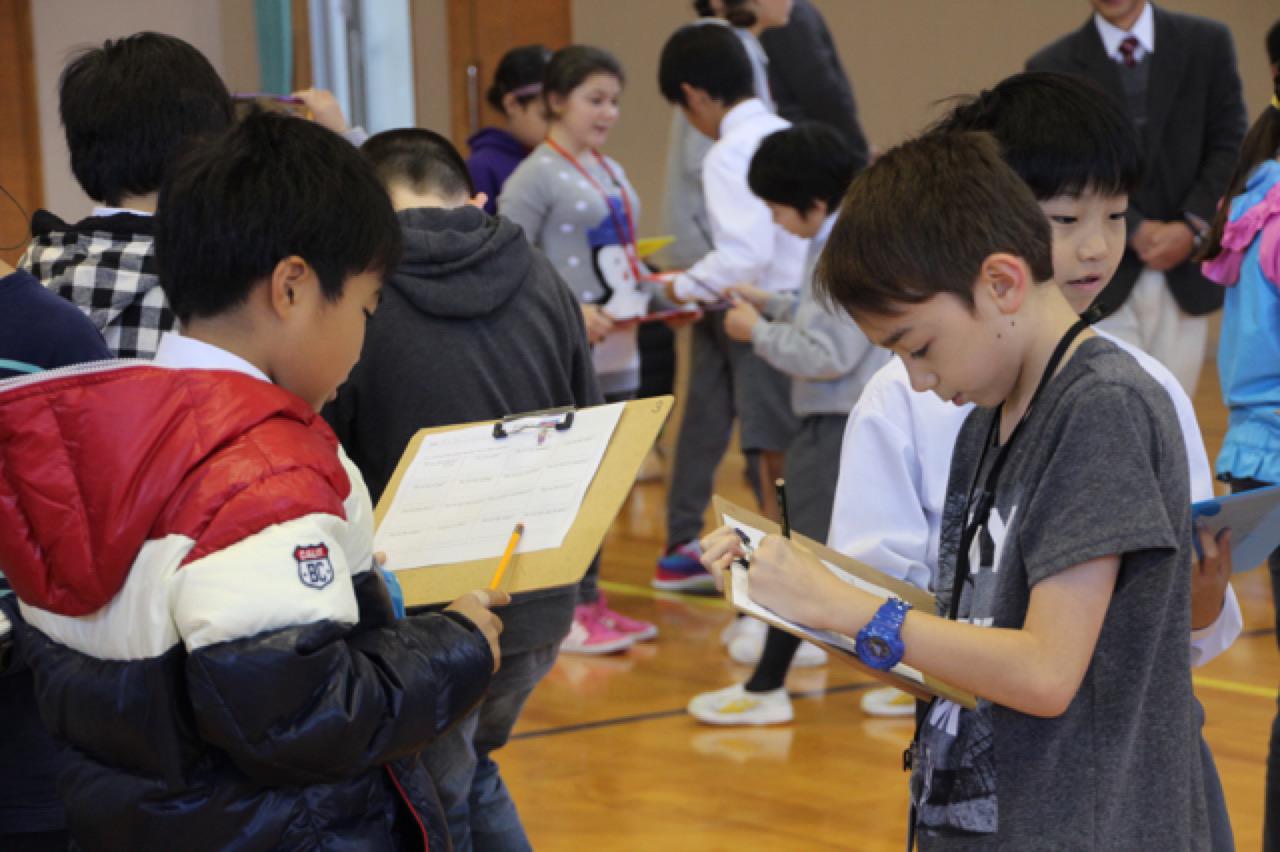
1254 520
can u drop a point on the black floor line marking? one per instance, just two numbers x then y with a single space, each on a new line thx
667 714
1258 631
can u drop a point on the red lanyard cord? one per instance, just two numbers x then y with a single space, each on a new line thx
627 234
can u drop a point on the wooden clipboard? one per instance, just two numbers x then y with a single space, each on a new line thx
918 598
637 429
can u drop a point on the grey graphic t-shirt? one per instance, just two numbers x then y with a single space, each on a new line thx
1099 470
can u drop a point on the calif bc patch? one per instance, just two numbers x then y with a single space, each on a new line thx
314 568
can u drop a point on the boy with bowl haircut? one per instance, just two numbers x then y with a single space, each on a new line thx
130 109
195 569
1068 536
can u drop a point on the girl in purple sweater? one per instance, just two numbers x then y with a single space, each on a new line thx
517 94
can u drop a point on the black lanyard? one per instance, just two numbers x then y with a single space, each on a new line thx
985 501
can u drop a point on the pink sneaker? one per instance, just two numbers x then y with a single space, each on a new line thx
640 631
590 635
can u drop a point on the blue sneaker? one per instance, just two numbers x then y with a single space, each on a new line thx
681 570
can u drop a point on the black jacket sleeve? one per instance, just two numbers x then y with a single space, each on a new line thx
808 79
1224 128
318 703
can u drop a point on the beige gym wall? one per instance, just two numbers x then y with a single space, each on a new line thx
902 55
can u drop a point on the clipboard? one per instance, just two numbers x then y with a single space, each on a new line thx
646 246
839 645
1254 520
692 313
637 429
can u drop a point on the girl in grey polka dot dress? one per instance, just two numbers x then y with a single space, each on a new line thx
576 205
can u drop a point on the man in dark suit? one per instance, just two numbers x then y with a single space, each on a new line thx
808 80
1176 74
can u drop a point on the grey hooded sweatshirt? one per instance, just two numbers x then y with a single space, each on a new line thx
474 325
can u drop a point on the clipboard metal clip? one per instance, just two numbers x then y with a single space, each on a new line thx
559 419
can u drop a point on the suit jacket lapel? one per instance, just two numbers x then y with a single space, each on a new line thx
1092 60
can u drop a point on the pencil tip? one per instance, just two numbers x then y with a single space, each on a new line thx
520 527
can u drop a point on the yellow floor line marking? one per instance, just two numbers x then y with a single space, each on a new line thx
658 594
720 603
1234 686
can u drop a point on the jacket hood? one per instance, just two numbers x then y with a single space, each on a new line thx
91 461
496 139
460 263
120 242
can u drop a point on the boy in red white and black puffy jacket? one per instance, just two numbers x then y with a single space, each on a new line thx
192 551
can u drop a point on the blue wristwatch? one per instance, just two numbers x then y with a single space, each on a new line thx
879 644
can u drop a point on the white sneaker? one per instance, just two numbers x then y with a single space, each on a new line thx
746 643
888 702
733 705
809 656
745 640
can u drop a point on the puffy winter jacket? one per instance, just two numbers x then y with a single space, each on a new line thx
192 554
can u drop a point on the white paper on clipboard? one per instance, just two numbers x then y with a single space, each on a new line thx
1253 518
465 490
742 600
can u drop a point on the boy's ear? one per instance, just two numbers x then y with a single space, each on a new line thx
480 199
292 281
692 96
1006 279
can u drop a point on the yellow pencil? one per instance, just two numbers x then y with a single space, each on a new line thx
506 557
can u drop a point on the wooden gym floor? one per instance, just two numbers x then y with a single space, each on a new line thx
605 758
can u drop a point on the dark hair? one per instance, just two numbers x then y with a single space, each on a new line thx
422 158
707 56
1260 144
519 68
271 187
737 12
571 66
802 165
1273 43
922 221
131 107
1062 133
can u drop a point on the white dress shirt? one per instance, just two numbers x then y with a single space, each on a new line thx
748 247
1144 30
187 353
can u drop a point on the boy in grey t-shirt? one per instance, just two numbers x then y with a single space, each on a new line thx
1068 517
1130 715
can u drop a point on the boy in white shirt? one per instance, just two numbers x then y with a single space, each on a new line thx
705 71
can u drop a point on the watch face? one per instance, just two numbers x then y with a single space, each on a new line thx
877 648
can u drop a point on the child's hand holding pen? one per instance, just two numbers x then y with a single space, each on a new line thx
476 607
794 583
720 549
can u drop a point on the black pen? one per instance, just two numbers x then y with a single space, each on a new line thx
745 559
781 486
